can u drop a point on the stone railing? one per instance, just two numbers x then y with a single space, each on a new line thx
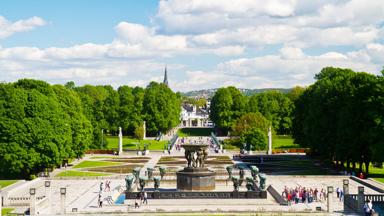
367 184
277 196
350 203
22 201
172 142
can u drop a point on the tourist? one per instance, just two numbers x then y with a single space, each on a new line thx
337 192
101 187
341 195
107 185
145 198
368 208
100 200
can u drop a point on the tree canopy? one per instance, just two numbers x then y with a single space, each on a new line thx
340 117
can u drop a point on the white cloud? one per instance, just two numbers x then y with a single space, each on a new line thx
8 28
289 68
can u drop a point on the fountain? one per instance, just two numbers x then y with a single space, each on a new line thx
195 177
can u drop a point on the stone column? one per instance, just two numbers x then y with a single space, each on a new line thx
346 186
32 201
120 142
47 185
360 199
269 141
144 129
346 192
329 199
63 192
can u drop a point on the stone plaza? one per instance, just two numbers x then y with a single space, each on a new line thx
79 195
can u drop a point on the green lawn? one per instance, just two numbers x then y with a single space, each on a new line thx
73 173
87 164
184 132
380 180
5 211
283 142
5 183
131 144
278 142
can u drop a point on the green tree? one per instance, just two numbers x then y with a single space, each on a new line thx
254 138
161 108
248 121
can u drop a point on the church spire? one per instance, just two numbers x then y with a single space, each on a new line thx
165 77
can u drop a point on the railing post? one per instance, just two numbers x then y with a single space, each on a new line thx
360 199
32 201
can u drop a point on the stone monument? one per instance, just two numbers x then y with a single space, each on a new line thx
269 141
120 142
195 177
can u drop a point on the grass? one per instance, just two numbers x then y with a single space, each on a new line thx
283 142
5 211
278 142
184 132
132 144
5 183
380 180
87 164
104 157
73 173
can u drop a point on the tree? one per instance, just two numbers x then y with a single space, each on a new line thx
276 107
255 139
139 133
340 117
35 132
81 127
161 108
248 121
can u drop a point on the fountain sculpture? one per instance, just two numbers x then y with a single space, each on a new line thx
195 177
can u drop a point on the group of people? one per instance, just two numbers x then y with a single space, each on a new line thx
141 198
102 188
303 195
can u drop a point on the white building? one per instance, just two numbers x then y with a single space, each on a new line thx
192 116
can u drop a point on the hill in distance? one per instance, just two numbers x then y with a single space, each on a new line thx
208 93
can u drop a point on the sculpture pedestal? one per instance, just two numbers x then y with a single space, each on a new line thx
195 179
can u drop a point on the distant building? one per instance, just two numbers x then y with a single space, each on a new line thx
165 81
193 116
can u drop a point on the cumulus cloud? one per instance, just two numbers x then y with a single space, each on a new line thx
288 68
8 28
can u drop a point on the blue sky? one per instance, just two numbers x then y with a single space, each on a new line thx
204 43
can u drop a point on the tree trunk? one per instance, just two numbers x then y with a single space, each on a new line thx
360 166
366 168
349 166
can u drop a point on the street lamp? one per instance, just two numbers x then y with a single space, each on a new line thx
330 189
63 191
345 182
47 184
32 191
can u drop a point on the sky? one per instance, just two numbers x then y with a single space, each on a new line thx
203 43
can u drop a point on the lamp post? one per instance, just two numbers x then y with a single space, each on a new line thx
63 192
47 185
32 203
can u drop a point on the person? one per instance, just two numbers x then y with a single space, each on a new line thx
368 208
361 175
338 192
136 203
100 200
145 198
341 195
107 186
101 186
